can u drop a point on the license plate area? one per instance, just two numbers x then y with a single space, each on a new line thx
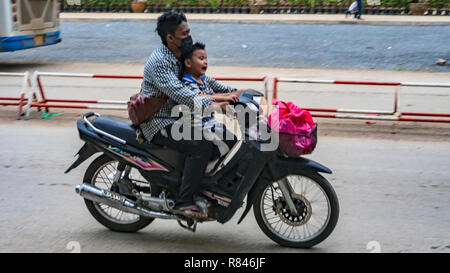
39 40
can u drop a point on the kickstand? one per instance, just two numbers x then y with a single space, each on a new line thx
191 224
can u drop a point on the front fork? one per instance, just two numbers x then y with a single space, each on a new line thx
287 191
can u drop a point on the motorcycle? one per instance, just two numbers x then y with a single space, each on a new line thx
131 184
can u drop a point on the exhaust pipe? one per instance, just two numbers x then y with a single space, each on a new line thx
118 201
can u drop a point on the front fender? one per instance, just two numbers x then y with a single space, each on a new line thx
280 167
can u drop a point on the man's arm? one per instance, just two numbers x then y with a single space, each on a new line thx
168 83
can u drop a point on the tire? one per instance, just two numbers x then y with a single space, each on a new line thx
98 212
261 208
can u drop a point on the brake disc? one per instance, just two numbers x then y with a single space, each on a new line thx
302 205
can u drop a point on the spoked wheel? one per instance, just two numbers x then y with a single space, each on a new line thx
101 174
317 209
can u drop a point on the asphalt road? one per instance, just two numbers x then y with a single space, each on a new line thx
393 190
255 44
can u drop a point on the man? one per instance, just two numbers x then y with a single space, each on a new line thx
162 77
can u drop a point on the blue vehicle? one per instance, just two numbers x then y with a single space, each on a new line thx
28 23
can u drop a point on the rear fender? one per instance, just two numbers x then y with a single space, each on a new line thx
84 153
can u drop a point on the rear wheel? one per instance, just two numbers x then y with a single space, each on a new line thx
101 174
317 211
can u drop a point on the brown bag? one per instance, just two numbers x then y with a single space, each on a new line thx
141 108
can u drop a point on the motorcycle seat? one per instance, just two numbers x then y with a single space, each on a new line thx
122 128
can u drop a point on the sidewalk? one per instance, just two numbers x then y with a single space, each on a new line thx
403 20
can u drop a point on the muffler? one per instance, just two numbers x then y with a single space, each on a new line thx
118 201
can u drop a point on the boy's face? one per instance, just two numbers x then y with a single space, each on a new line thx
198 63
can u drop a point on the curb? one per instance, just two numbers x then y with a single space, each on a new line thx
301 19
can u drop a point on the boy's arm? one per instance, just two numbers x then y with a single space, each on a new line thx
216 97
218 87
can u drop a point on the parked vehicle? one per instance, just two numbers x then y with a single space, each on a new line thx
28 23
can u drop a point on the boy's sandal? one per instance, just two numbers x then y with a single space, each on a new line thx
192 211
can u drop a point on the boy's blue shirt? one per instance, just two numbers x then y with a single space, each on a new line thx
199 88
195 86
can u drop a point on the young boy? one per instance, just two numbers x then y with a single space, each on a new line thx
194 69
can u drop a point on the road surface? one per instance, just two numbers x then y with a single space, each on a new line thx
392 182
415 48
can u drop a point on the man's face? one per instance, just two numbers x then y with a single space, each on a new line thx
198 63
181 32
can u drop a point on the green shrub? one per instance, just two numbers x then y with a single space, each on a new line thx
187 3
439 3
395 3
213 3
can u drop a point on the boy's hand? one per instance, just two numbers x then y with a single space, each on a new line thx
233 97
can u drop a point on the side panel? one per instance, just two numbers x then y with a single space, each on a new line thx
257 162
126 153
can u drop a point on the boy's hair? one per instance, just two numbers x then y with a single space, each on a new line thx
196 46
168 24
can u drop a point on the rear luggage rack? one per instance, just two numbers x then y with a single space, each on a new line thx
98 131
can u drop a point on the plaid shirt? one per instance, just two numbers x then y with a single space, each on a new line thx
162 77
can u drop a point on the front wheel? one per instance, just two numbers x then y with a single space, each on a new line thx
317 211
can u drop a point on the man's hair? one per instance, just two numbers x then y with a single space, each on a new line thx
196 46
168 24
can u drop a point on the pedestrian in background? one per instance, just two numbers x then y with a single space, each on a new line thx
360 9
353 9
